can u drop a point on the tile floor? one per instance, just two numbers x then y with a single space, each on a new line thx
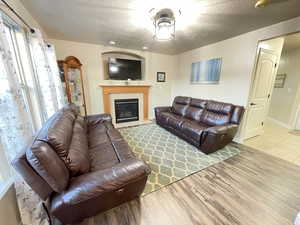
278 142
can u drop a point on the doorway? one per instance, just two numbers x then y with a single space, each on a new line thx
279 133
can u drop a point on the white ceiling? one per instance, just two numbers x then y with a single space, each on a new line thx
128 22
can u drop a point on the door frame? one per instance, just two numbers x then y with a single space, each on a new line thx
251 92
295 114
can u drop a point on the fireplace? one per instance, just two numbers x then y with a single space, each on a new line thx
126 110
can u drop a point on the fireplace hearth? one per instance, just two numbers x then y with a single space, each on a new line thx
126 110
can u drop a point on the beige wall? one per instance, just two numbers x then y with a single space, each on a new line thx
282 102
9 214
239 54
90 57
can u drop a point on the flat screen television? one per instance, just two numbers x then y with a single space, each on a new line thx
124 69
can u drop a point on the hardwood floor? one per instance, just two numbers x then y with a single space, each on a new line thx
250 188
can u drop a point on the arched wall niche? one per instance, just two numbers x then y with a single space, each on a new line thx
122 55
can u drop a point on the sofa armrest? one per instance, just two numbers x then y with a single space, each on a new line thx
229 129
217 137
98 118
94 184
160 109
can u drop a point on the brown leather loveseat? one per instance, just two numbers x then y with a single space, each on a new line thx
82 166
208 125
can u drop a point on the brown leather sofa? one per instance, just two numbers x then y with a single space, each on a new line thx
81 166
208 125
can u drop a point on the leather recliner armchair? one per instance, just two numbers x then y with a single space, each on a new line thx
208 125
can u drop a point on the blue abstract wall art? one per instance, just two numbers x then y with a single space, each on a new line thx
206 72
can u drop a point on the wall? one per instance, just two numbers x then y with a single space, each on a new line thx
282 101
239 54
90 57
9 213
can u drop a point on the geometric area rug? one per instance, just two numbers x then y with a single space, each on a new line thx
169 157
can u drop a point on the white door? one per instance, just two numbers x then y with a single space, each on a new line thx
261 93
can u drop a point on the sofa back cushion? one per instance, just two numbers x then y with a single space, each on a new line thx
48 165
217 113
180 105
77 160
195 109
57 132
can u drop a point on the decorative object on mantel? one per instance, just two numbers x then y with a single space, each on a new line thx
206 72
72 79
161 77
127 81
280 81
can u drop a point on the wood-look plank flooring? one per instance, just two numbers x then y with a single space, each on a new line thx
250 188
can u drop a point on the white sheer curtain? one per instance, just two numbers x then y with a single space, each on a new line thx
19 107
52 60
46 73
15 123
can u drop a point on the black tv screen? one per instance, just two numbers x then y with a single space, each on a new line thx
124 69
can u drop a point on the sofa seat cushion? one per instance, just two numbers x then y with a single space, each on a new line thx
77 160
193 129
102 156
122 150
114 135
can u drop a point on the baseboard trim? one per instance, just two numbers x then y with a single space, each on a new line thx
279 123
238 140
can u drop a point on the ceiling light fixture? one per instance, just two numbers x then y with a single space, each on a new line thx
261 3
164 25
112 42
145 48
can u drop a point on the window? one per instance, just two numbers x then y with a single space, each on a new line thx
16 123
29 91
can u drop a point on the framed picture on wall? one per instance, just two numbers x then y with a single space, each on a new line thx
161 77
206 72
280 81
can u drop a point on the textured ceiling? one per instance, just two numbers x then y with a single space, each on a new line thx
128 22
